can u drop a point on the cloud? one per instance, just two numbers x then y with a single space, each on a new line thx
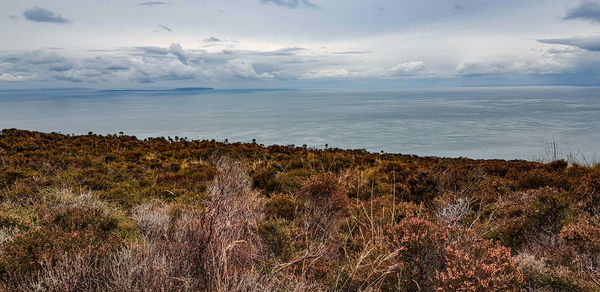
327 73
351 52
13 17
153 3
408 68
160 65
586 10
413 68
130 65
590 43
150 50
164 27
11 77
244 69
213 40
294 4
284 52
176 50
519 67
44 15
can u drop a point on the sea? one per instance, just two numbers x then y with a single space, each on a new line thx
489 123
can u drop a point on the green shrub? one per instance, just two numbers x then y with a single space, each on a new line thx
282 206
263 179
545 212
274 235
75 229
550 210
82 219
422 187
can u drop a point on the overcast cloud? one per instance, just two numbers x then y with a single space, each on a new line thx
274 43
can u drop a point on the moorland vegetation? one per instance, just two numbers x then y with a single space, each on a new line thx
116 213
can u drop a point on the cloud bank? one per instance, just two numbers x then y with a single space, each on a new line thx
157 64
264 41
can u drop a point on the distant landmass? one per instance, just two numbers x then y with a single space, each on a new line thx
162 90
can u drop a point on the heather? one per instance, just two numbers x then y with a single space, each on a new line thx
115 213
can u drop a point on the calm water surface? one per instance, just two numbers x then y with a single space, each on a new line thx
474 122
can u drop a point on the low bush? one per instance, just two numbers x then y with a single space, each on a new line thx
283 206
478 265
419 248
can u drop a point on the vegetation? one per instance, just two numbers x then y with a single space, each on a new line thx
115 213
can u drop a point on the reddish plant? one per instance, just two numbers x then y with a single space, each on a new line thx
583 234
478 265
326 191
419 246
326 204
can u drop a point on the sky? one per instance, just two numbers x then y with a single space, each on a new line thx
298 43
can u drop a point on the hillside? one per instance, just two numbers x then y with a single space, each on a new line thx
115 213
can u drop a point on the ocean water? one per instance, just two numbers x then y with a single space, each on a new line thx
505 123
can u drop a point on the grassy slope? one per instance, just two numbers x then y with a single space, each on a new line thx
315 219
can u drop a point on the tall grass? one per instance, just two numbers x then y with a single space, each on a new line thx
553 152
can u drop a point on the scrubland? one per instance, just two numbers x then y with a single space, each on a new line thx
115 213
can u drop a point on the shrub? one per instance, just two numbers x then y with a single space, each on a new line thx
326 204
539 178
68 230
264 179
69 224
513 233
558 165
478 265
539 276
325 191
282 206
583 234
273 234
422 187
419 245
531 213
82 219
549 210
454 212
589 191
